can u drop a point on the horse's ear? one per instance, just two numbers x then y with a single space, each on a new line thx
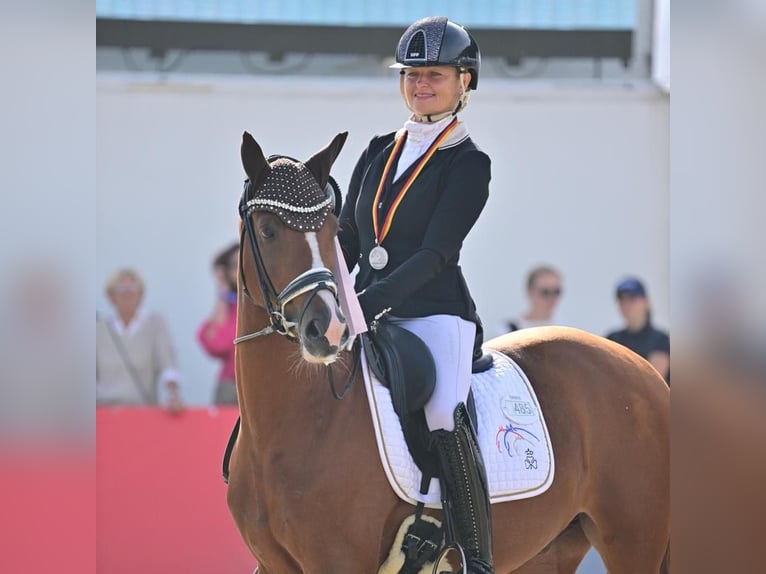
253 160
320 163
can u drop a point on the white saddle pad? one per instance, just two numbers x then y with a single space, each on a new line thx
513 437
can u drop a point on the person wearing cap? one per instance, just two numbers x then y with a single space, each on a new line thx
413 197
639 335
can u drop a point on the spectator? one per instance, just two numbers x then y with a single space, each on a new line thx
543 292
639 335
217 332
135 357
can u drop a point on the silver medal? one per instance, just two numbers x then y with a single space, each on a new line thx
378 258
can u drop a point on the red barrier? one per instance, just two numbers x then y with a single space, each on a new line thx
47 497
161 502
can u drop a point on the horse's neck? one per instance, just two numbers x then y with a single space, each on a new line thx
281 396
284 401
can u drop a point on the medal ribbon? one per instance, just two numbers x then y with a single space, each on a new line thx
380 233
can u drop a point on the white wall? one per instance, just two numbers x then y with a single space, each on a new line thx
580 180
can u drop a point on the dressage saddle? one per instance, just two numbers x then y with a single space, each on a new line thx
403 363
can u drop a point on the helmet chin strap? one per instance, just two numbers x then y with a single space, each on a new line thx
430 118
462 102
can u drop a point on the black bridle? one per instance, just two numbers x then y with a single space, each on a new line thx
311 281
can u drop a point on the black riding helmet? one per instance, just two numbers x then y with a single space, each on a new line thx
435 41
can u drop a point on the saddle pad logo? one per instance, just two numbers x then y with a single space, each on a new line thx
511 437
515 408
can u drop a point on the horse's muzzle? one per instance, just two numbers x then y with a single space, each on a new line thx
323 329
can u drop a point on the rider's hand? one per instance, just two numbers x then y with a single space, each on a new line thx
349 344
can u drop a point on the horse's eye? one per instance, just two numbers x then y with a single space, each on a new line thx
267 232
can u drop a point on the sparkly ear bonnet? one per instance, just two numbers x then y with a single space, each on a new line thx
291 192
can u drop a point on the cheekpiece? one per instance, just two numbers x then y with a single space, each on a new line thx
291 192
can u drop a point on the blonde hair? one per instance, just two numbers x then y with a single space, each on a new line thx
539 271
119 275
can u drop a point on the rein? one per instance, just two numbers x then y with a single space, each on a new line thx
311 281
351 378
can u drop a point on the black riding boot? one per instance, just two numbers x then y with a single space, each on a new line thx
462 470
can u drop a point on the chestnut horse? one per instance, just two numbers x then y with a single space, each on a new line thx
306 488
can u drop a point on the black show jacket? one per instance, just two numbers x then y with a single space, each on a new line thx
422 276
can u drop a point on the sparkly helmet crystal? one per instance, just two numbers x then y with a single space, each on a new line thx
435 41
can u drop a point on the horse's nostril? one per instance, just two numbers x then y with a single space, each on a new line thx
344 337
312 330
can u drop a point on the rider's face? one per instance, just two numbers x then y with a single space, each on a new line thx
433 89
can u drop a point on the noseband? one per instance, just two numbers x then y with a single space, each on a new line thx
311 281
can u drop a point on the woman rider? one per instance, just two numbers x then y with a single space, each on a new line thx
413 197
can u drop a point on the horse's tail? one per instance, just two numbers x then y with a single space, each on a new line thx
665 566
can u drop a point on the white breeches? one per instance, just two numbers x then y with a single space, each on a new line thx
450 340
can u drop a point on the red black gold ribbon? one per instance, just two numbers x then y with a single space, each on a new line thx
381 232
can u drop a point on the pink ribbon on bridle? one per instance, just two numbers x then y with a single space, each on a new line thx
349 302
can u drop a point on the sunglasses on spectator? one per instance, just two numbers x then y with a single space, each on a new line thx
548 292
124 289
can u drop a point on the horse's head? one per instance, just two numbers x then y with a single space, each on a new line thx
288 211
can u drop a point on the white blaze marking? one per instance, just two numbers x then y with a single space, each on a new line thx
316 258
335 329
